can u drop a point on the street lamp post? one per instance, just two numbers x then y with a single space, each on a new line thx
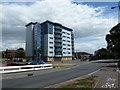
118 11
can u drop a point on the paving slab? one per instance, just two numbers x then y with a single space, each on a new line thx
108 77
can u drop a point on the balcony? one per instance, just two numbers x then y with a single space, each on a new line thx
58 32
58 50
58 36
58 55
57 40
58 28
58 45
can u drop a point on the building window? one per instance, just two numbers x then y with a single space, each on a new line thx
50 28
68 52
51 37
64 40
64 36
68 37
63 32
64 44
45 27
51 47
64 48
64 52
50 52
51 42
68 48
68 41
68 33
68 45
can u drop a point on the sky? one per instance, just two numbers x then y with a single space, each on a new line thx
91 21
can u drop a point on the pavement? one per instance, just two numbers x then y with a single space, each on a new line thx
119 75
108 78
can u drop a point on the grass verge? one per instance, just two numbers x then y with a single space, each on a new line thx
61 65
86 83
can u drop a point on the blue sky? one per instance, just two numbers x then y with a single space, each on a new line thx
110 11
104 4
91 21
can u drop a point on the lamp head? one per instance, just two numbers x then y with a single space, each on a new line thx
113 7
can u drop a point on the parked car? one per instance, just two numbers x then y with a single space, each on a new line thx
35 62
9 63
15 60
29 62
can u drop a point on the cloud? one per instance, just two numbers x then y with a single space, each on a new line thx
96 0
86 21
89 44
13 45
72 0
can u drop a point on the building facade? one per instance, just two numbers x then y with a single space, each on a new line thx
10 53
83 56
19 53
49 41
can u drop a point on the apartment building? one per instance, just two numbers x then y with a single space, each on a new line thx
49 41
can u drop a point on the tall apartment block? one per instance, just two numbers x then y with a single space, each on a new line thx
49 41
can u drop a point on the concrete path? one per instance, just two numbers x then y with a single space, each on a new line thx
108 78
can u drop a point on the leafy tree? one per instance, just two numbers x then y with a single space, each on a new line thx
20 53
9 57
113 41
102 54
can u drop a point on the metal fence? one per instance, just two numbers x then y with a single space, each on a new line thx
11 69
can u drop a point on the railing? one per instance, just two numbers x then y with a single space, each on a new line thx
58 45
58 49
58 36
58 55
58 40
58 32
11 69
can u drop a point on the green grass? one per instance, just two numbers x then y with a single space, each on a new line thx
88 82
56 66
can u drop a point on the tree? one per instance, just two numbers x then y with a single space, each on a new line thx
20 53
113 41
102 53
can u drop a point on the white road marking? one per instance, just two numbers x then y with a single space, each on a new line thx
110 83
111 80
94 72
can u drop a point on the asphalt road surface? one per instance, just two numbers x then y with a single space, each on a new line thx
51 78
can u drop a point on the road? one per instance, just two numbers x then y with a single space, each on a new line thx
51 78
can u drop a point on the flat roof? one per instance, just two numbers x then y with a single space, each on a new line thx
54 23
57 24
30 23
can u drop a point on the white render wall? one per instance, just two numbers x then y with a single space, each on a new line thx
65 43
51 39
51 50
29 41
65 51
